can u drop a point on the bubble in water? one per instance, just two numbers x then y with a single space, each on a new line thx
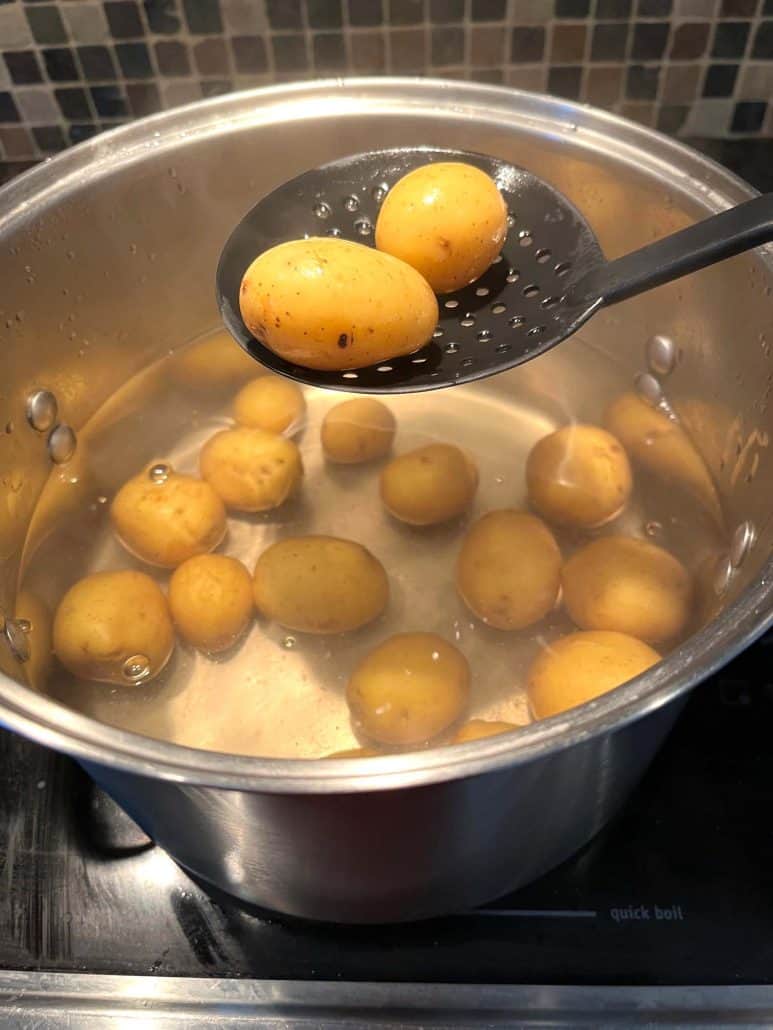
9 427
485 334
468 320
653 528
159 473
510 220
136 669
499 479
451 348
352 203
379 192
363 226
101 499
289 643
435 656
321 209
132 248
333 232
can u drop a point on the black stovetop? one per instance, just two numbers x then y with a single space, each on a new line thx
677 890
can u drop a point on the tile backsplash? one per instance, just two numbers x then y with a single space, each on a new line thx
72 68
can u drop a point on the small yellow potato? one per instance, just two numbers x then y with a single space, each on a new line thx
662 446
357 431
477 729
330 304
448 220
578 476
508 572
114 627
250 469
628 585
212 365
320 584
409 689
210 598
581 666
355 752
164 517
271 403
429 485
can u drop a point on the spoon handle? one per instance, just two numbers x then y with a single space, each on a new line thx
705 243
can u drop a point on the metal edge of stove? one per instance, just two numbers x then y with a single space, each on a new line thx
88 1001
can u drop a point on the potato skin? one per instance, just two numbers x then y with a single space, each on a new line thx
210 598
578 476
448 220
477 729
320 584
629 585
212 365
250 469
409 689
108 617
271 403
508 571
357 431
329 304
165 522
578 667
429 485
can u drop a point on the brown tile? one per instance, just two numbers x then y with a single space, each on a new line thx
568 44
680 83
16 142
367 50
529 78
408 49
689 40
603 84
644 113
487 47
211 57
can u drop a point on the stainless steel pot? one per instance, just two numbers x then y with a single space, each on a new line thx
413 835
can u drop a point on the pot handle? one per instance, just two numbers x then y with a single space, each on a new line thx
705 243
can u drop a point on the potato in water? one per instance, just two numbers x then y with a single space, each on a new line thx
328 304
114 627
429 485
409 689
581 666
320 584
271 403
164 517
212 365
578 476
629 585
509 569
357 431
250 469
210 598
448 220
478 729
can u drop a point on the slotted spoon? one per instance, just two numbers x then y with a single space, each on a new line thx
550 278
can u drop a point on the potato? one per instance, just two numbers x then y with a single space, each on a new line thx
477 729
662 447
210 598
270 403
581 666
356 431
250 469
114 627
629 585
578 476
320 584
330 304
429 485
409 689
508 571
355 752
212 365
165 517
448 220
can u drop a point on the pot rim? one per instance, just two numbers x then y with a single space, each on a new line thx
89 741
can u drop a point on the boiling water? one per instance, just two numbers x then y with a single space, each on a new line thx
278 693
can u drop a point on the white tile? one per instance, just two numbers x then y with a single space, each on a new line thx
244 17
87 22
37 106
14 30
